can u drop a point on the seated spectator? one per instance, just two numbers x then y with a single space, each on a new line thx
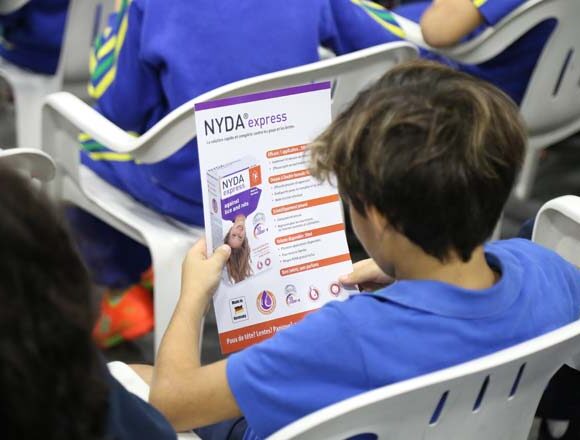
31 36
151 60
54 382
445 23
424 138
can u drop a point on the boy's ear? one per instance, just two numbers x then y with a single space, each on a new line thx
377 220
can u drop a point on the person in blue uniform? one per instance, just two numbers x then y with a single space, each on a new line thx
445 23
150 60
31 36
453 144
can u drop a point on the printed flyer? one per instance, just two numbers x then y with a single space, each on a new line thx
285 228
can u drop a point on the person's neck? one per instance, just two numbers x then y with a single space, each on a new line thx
474 274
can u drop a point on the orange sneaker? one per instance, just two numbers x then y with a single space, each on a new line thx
147 279
124 316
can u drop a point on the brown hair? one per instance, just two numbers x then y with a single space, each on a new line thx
436 151
51 374
238 264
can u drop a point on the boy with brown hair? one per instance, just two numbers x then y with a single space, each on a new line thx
426 159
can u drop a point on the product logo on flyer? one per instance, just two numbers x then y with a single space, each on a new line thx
238 309
266 302
229 123
240 181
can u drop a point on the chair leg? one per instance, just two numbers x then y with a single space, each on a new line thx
167 262
525 181
28 108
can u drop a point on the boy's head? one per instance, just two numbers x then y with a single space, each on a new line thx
432 150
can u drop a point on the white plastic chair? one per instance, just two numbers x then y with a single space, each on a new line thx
551 105
557 227
494 397
134 384
168 240
30 162
29 88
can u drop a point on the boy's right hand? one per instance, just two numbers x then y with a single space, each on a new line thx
367 275
201 274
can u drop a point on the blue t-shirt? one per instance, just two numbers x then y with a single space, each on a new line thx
130 418
31 36
169 55
407 329
510 71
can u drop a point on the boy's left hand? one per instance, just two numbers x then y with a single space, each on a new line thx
201 275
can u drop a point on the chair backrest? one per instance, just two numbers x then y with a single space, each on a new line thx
557 227
349 75
64 115
551 104
494 397
30 162
85 19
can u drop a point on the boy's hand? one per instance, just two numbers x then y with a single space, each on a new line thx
201 275
367 275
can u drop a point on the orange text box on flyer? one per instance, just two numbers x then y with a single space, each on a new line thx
314 264
306 204
309 234
236 340
279 152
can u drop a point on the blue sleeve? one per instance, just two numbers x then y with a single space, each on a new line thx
346 27
127 88
303 368
493 11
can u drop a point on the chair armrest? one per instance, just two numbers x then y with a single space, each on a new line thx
156 144
491 42
35 163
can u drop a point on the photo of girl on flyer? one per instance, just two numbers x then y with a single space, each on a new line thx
238 266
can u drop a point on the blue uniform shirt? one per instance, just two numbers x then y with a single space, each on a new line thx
155 58
405 330
510 71
130 418
31 36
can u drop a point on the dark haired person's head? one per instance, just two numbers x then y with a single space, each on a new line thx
50 377
432 150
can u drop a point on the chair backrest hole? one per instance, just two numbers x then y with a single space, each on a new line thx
481 394
517 381
563 72
439 408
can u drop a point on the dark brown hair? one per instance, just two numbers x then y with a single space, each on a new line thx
51 375
436 151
